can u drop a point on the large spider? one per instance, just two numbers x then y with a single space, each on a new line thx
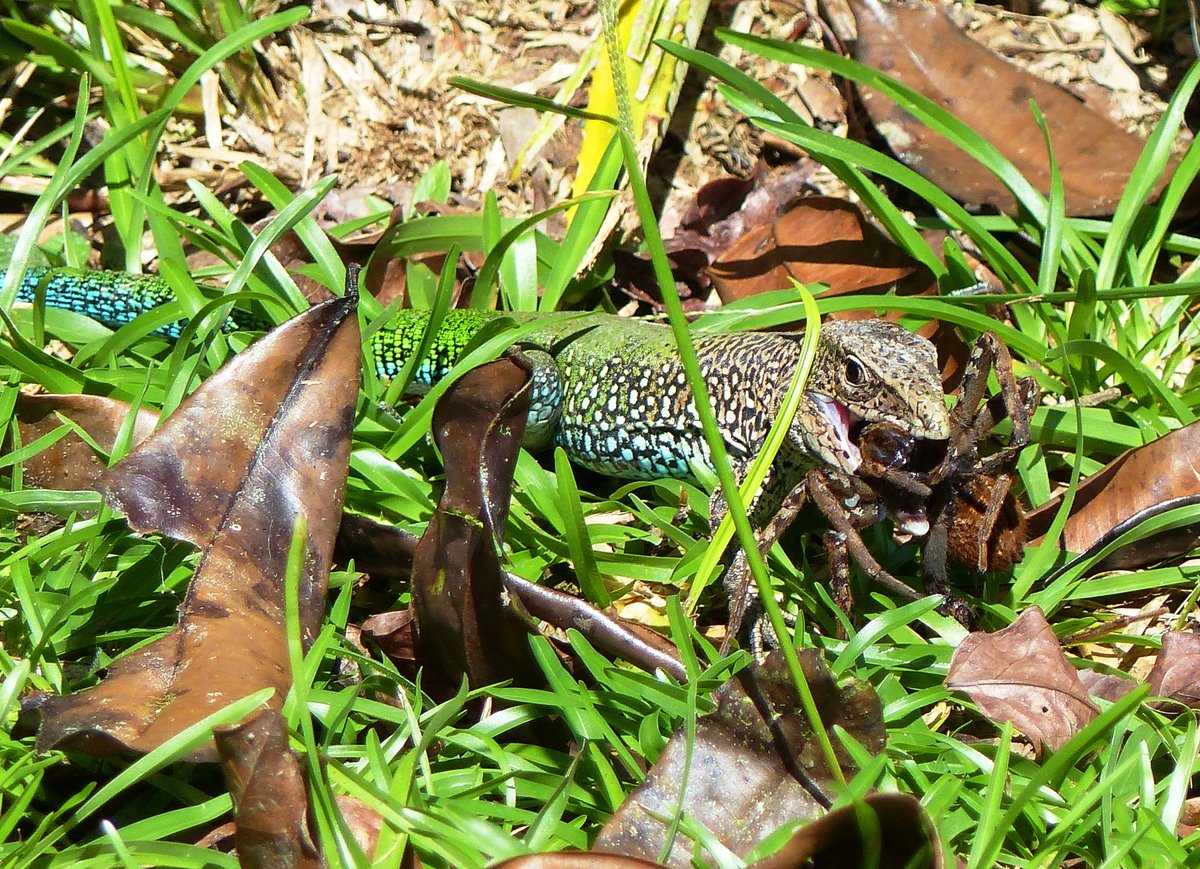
951 491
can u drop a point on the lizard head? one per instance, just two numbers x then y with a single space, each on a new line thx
869 371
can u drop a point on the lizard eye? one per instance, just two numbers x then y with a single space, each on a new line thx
856 375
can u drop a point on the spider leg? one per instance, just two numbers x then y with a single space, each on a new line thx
1020 408
936 554
973 388
987 525
838 553
841 522
1020 398
953 606
937 544
909 481
1016 400
970 424
739 585
964 416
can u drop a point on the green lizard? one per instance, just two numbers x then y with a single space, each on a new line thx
612 392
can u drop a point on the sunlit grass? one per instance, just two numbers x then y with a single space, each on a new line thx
465 792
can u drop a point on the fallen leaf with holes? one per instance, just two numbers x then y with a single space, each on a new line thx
71 462
753 767
1176 672
1020 674
260 446
1136 485
920 47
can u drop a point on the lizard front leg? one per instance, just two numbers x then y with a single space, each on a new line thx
745 605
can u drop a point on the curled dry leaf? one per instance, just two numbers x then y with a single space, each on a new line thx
261 445
1176 672
392 633
270 798
1020 674
753 766
923 49
898 834
71 463
1135 485
463 625
823 240
577 860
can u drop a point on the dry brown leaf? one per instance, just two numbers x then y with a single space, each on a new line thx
71 463
1176 672
1020 674
577 860
752 768
1106 686
270 798
899 835
463 625
393 634
260 445
1189 821
818 240
1136 483
921 47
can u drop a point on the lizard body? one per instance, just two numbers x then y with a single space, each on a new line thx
613 394
612 391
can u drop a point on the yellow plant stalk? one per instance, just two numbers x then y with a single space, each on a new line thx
657 78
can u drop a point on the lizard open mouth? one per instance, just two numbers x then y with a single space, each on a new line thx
839 445
843 427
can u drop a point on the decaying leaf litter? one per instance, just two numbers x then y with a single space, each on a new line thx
1179 687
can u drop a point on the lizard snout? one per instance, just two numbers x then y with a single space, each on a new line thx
931 420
